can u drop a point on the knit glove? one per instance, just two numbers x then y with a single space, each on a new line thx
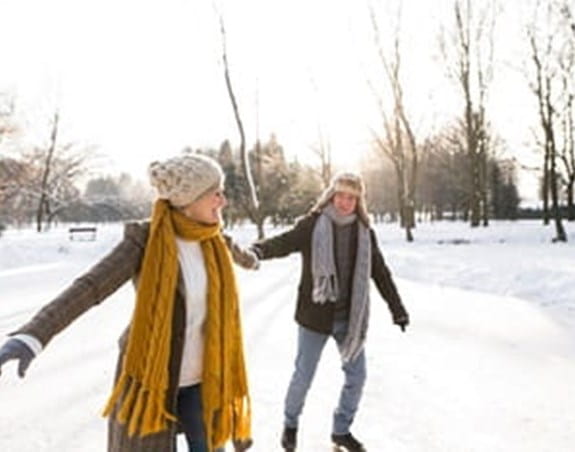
402 321
16 349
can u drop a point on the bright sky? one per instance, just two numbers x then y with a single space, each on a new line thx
143 79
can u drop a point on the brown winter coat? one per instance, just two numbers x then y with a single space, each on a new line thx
319 316
120 265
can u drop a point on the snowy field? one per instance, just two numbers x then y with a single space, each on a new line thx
487 365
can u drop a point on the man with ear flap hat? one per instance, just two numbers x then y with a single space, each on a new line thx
181 366
340 255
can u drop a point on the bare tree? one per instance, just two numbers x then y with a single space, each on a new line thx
469 58
568 159
323 151
43 208
253 207
567 70
544 60
323 147
399 143
53 172
7 127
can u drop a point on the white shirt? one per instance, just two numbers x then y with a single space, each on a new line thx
196 284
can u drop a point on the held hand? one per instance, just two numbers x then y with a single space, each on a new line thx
16 349
244 257
255 259
255 252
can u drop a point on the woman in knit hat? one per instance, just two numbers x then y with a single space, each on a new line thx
339 256
181 366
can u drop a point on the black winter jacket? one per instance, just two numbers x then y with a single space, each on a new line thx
315 316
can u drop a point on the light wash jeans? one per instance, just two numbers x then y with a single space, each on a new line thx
310 347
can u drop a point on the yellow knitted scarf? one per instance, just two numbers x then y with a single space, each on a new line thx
139 396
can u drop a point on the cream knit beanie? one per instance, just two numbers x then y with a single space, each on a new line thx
185 178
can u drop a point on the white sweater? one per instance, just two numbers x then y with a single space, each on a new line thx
196 284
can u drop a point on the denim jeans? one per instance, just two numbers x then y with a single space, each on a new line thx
310 347
190 418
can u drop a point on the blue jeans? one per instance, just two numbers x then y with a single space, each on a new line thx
190 418
310 347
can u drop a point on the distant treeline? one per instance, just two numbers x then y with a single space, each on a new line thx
286 189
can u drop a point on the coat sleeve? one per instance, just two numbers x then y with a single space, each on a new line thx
385 284
286 243
104 278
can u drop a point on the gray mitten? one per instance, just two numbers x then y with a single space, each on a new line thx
16 349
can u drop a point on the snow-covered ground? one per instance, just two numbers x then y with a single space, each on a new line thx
487 365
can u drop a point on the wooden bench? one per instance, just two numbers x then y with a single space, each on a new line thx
82 233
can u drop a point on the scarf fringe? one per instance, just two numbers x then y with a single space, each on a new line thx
141 409
233 422
325 288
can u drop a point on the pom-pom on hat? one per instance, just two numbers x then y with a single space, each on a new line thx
348 183
183 179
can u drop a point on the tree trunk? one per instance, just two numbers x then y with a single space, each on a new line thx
43 209
559 230
401 205
483 184
253 199
570 205
552 150
474 195
260 226
545 188
409 221
405 160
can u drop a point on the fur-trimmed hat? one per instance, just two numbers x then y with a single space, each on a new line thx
346 182
185 178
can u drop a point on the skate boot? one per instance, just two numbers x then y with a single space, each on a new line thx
346 443
289 439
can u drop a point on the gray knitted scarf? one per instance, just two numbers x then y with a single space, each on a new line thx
324 273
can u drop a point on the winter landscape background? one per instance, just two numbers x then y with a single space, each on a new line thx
487 364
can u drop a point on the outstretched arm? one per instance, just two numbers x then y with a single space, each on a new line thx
286 243
86 291
386 286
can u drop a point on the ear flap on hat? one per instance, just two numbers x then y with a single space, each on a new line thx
351 179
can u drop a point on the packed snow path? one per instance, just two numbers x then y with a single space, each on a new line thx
474 372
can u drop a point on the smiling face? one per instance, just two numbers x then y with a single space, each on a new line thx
208 208
344 203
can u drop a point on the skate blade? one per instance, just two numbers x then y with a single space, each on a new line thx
337 448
